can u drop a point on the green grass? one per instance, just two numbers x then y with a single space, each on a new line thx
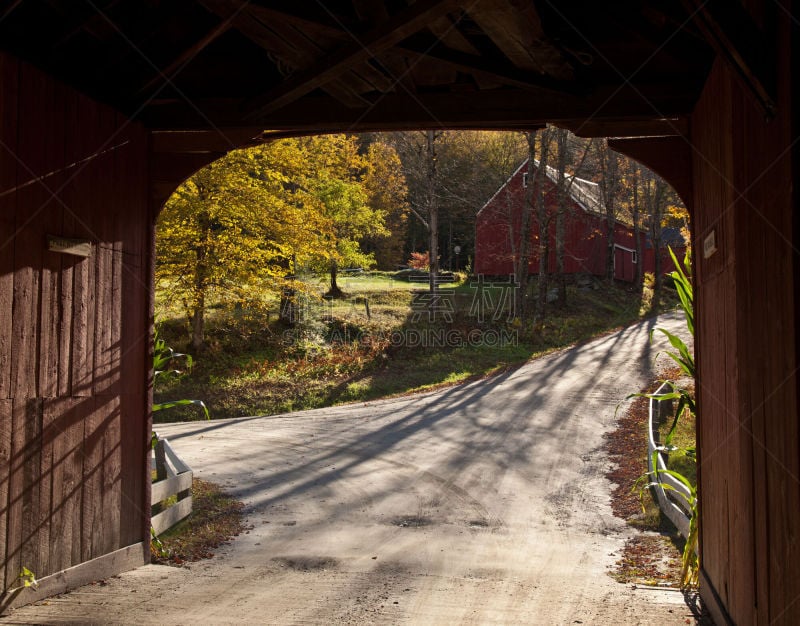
252 367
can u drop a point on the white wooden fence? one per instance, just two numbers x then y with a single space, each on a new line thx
173 478
674 506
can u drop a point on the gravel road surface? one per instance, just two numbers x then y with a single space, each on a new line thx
484 503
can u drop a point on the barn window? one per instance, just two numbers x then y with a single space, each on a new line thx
524 179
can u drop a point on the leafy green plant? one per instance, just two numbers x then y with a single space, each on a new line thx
157 548
26 578
164 358
681 279
690 559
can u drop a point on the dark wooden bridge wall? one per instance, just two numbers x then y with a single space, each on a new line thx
73 331
746 346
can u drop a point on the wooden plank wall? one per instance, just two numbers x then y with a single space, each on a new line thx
746 349
73 330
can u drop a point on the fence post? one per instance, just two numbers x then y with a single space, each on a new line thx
161 460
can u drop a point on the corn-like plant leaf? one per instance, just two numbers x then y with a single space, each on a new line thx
683 357
681 278
160 406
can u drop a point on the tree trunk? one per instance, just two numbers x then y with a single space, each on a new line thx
523 258
561 156
198 324
334 291
544 256
434 249
561 219
200 280
433 211
638 240
543 220
609 186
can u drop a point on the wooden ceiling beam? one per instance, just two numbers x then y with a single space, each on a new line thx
210 140
322 20
731 32
517 31
384 36
494 108
9 9
292 50
371 11
659 127
422 47
450 36
185 57
669 157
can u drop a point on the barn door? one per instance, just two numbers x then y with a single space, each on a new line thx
624 264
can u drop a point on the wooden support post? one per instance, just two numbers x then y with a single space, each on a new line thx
161 461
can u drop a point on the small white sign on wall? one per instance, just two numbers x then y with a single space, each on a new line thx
710 244
75 247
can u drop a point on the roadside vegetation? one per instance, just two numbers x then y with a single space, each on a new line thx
215 520
676 444
339 353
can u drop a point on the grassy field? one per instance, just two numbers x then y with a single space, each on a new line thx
255 364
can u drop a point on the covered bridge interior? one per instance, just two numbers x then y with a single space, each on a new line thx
106 106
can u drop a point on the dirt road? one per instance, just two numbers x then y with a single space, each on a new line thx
483 503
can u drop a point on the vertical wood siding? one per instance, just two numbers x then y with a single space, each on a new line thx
73 331
748 425
584 240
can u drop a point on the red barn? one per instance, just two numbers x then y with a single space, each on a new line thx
498 225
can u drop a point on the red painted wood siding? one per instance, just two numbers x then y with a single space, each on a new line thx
746 349
585 239
73 331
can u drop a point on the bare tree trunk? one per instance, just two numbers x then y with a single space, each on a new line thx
609 187
433 210
334 291
654 196
543 219
561 165
638 240
523 258
200 285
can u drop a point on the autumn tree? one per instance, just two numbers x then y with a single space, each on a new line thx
230 231
350 218
387 192
469 167
336 175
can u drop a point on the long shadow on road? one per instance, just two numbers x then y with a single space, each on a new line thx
496 421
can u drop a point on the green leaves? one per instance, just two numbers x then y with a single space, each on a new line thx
683 357
163 356
684 401
27 578
160 406
682 279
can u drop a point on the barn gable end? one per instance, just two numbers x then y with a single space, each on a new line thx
585 246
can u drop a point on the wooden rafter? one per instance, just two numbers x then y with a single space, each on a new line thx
422 46
658 127
186 56
731 32
497 108
377 40
518 32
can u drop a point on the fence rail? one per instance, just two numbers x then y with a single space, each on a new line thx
675 507
173 478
